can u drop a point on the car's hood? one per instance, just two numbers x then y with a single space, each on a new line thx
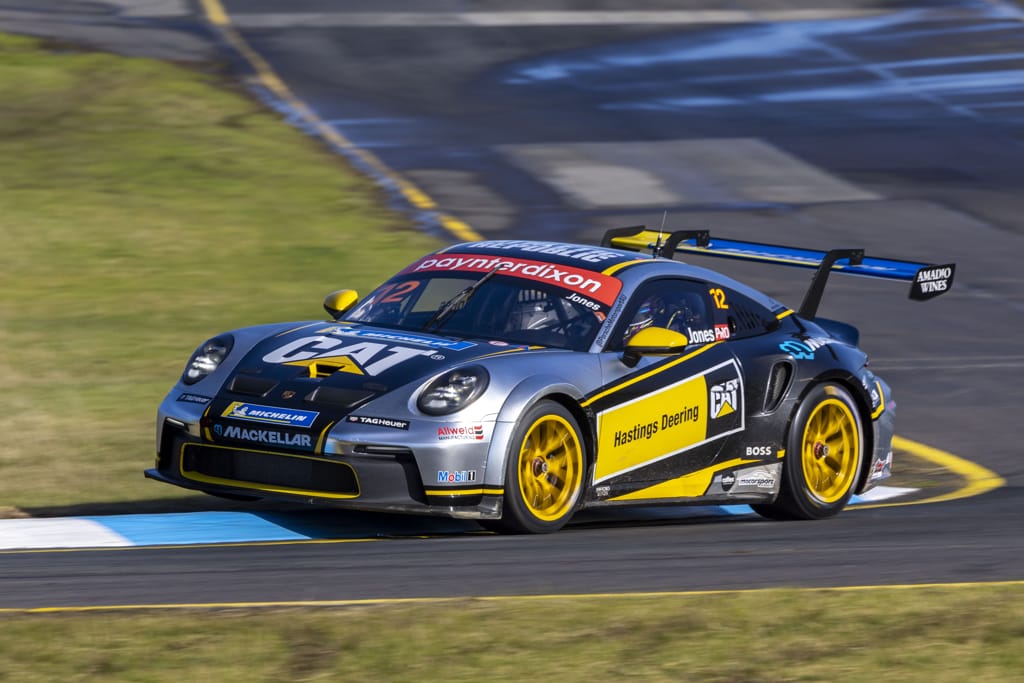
339 365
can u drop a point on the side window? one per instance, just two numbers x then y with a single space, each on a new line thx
681 305
741 316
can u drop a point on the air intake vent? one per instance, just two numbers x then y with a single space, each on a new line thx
778 383
335 396
251 385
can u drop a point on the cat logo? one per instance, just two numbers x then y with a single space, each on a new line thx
723 398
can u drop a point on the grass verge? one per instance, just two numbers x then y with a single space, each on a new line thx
930 634
146 207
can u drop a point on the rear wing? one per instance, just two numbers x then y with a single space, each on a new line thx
927 280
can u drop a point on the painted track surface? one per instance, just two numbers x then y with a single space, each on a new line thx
900 132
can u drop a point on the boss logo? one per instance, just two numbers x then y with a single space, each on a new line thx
758 451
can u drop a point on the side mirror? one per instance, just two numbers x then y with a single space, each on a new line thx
336 303
653 341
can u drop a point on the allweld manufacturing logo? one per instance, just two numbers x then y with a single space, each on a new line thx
270 415
460 433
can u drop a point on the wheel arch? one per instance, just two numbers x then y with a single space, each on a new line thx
538 388
849 382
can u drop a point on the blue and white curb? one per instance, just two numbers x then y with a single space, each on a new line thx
204 528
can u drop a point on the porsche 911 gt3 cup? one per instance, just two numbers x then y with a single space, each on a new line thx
517 382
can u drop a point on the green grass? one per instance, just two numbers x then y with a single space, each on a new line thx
936 635
143 208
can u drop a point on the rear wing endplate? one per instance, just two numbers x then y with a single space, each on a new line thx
927 280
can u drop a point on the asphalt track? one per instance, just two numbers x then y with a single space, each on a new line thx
899 129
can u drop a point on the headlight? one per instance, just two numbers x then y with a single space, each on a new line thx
207 358
452 391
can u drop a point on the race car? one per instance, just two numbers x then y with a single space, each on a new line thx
516 382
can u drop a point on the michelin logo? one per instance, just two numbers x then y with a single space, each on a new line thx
287 417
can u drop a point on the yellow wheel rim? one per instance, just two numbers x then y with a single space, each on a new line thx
830 450
550 468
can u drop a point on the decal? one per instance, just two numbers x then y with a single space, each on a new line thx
577 299
586 254
700 336
642 431
760 478
758 451
456 477
602 336
269 414
723 398
718 296
193 398
728 479
603 288
882 468
354 358
379 421
803 350
932 281
602 491
265 436
460 433
721 332
403 337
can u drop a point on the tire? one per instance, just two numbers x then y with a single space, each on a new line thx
825 450
544 471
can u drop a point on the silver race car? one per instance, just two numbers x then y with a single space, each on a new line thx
516 382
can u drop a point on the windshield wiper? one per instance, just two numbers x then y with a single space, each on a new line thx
459 299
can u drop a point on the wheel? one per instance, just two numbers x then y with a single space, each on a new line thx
544 471
824 453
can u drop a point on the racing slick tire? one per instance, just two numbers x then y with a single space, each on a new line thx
544 471
825 449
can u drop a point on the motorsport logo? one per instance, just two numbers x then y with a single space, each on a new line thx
379 421
287 417
723 398
460 433
264 436
456 477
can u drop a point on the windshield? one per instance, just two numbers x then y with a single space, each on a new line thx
513 305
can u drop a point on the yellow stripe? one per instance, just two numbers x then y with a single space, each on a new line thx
448 493
979 479
689 485
459 600
323 435
784 314
644 376
881 402
616 268
216 15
